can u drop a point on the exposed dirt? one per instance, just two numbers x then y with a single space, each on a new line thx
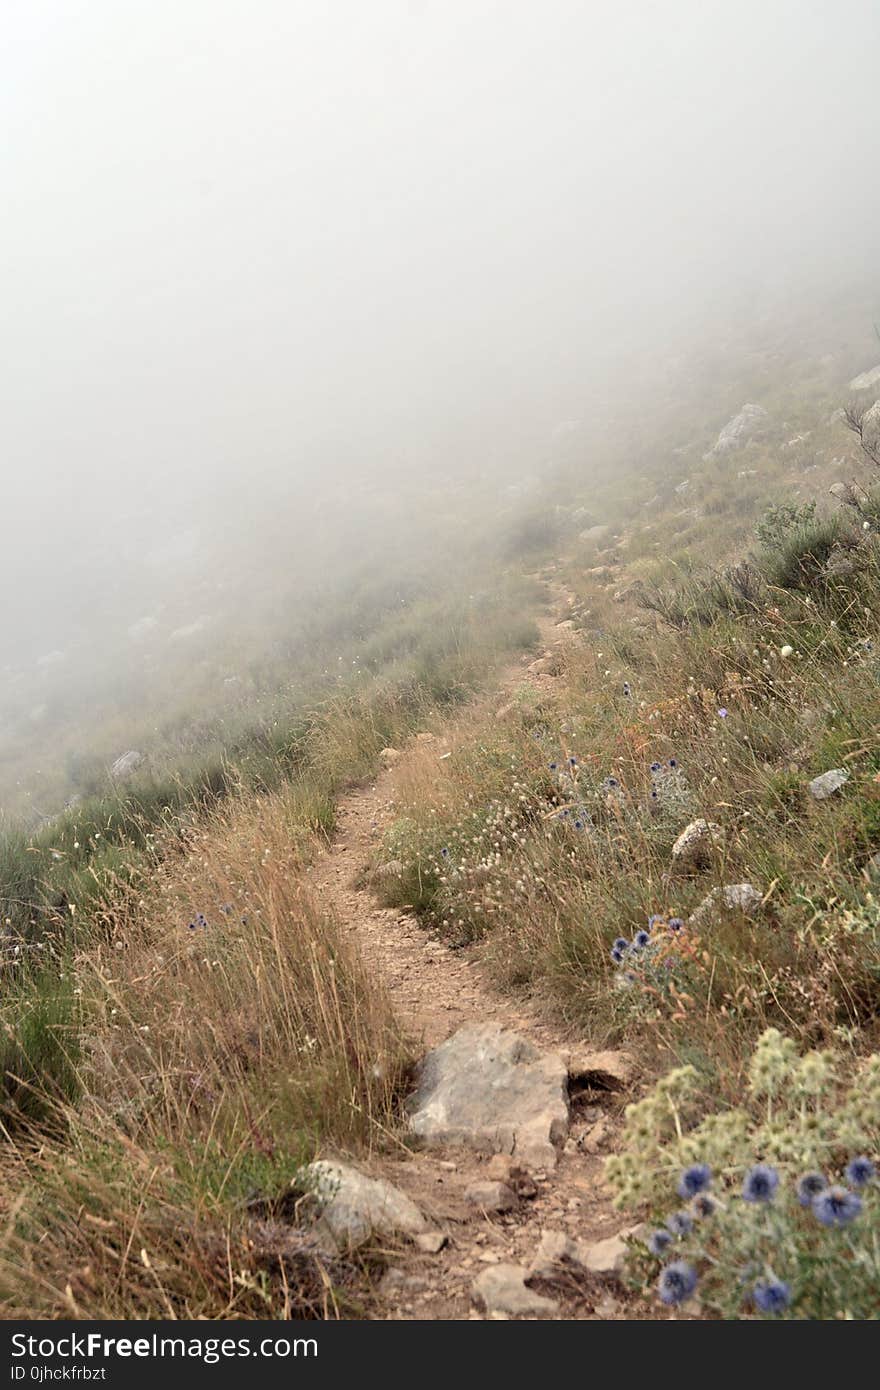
436 990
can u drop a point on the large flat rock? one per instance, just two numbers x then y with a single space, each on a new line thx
491 1090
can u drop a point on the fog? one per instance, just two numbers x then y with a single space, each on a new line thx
259 258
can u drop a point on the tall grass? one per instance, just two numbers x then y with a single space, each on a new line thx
227 1032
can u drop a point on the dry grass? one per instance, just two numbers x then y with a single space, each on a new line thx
215 1059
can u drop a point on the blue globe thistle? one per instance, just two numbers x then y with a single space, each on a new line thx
836 1206
760 1183
573 762
641 939
553 767
771 1295
627 688
611 782
704 1205
677 1282
680 1223
809 1186
673 762
659 1242
617 955
675 924
578 825
621 944
860 1170
655 767
696 1178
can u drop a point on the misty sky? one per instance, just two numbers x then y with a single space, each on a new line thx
248 241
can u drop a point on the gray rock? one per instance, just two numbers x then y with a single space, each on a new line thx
739 430
389 756
432 1242
594 534
491 1196
737 897
695 843
606 1258
353 1207
827 783
502 1289
393 869
866 380
491 1090
126 764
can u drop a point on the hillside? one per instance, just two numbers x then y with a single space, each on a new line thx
614 789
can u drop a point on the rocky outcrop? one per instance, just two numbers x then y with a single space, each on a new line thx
739 430
125 765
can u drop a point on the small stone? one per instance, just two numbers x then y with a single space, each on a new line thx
695 843
389 756
605 1257
491 1196
354 1207
596 1136
736 897
827 783
502 1289
432 1242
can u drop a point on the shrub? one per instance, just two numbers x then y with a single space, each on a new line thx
779 1205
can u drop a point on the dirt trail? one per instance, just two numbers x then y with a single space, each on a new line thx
435 991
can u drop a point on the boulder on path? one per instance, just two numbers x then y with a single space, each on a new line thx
353 1207
502 1289
491 1090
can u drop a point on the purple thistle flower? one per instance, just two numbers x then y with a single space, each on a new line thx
676 1283
860 1170
680 1223
836 1207
659 1242
809 1186
771 1295
760 1183
696 1178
